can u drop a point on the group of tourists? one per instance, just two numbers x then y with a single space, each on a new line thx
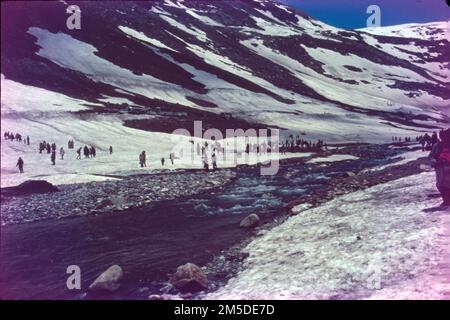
88 152
51 149
46 147
297 144
16 137
428 141
400 139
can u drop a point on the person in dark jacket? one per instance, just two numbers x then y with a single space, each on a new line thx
53 157
440 159
20 164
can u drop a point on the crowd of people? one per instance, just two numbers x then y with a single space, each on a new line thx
438 144
400 139
428 141
46 147
291 144
16 137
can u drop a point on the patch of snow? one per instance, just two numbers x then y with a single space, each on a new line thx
348 248
333 158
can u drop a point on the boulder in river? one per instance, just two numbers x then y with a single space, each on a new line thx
109 280
30 187
189 278
250 221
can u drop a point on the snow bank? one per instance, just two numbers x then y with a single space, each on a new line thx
348 248
333 158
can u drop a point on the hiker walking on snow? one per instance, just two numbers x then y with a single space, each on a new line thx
79 153
142 159
20 164
162 161
62 152
172 157
110 150
28 140
440 158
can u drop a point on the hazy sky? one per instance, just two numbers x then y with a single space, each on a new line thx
352 13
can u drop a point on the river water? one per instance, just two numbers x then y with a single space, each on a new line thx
150 242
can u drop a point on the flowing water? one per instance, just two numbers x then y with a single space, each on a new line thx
150 242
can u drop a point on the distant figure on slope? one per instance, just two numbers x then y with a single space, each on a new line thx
48 148
163 161
28 140
79 153
53 157
142 159
172 157
20 164
110 149
61 153
440 158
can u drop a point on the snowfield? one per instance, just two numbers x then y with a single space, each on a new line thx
375 243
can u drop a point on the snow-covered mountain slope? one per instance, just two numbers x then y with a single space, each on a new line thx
258 60
423 31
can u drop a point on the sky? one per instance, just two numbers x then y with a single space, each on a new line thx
351 14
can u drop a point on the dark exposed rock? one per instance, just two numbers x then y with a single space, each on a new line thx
29 187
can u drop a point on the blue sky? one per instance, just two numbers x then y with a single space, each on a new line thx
352 14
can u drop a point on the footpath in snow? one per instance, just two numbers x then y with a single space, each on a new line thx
376 243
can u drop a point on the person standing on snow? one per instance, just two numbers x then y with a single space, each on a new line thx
53 157
142 159
86 151
79 153
20 164
440 159
62 152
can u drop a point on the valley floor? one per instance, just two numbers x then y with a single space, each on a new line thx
379 243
